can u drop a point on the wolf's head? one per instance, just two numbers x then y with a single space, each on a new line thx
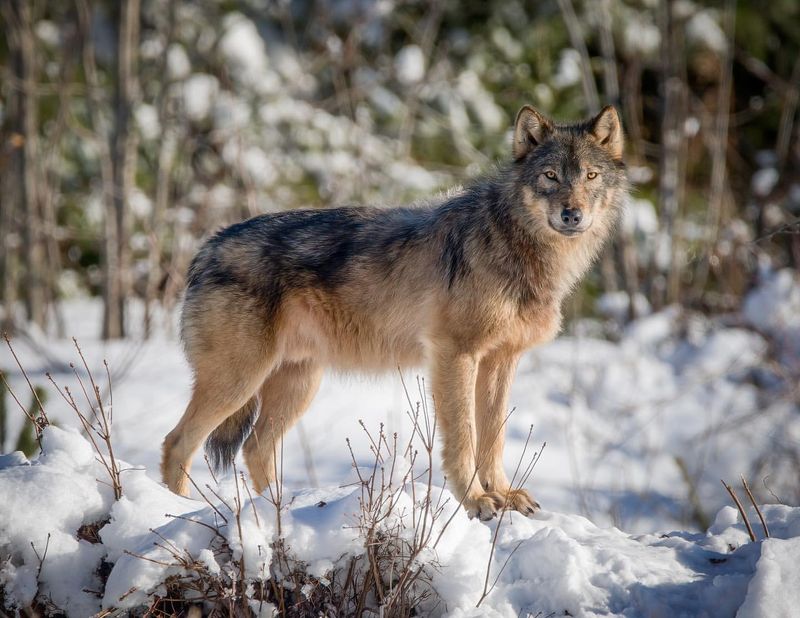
569 176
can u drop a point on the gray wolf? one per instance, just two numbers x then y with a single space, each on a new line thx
464 285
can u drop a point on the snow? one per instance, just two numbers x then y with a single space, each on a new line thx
774 308
691 126
199 92
147 121
178 64
764 181
703 29
42 508
246 55
775 587
616 305
506 43
630 425
551 563
568 72
48 33
409 64
639 217
472 91
641 36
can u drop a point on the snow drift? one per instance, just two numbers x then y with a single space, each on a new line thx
552 564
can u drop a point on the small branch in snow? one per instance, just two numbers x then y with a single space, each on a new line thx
99 426
39 422
517 482
42 557
741 509
755 506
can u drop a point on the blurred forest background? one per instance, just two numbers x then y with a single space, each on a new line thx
131 130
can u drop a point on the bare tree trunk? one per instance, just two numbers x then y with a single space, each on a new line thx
610 76
35 303
19 27
632 106
673 143
718 189
577 41
622 247
11 141
50 195
166 155
786 126
429 31
109 252
10 238
123 160
49 170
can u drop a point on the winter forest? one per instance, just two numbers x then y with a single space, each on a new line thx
131 131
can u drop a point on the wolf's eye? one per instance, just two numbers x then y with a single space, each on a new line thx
550 175
591 175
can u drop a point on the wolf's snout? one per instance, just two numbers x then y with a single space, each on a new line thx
571 216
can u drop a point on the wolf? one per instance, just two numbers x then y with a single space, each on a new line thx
463 285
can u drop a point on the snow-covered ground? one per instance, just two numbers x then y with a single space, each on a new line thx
552 564
639 432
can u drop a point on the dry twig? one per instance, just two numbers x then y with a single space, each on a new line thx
741 509
755 506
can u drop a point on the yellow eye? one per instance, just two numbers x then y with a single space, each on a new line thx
550 175
591 175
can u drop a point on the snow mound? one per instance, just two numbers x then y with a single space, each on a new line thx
774 308
551 564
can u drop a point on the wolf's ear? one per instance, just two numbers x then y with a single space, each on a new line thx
530 130
607 130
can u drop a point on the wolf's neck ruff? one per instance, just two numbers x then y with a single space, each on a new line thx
465 285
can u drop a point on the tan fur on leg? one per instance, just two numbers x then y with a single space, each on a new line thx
228 371
285 395
495 375
454 375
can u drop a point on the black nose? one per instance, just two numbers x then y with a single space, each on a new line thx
571 216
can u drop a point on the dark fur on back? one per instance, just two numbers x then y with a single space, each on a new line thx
306 247
271 254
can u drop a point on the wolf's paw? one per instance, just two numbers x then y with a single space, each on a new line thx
491 503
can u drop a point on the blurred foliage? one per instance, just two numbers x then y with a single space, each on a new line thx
248 106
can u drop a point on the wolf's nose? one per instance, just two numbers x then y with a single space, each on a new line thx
571 216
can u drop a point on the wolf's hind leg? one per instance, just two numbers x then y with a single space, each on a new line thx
495 375
285 396
225 380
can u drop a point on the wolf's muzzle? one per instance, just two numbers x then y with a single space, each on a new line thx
571 217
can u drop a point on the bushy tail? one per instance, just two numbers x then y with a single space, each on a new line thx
226 440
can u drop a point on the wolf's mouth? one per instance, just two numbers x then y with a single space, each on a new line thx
569 232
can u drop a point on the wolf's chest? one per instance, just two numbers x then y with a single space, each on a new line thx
532 326
508 325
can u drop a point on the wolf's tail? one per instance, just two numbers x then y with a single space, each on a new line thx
226 440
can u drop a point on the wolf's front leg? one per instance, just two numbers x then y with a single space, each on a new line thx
454 376
495 375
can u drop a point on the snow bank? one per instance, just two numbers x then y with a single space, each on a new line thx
43 506
774 308
551 564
